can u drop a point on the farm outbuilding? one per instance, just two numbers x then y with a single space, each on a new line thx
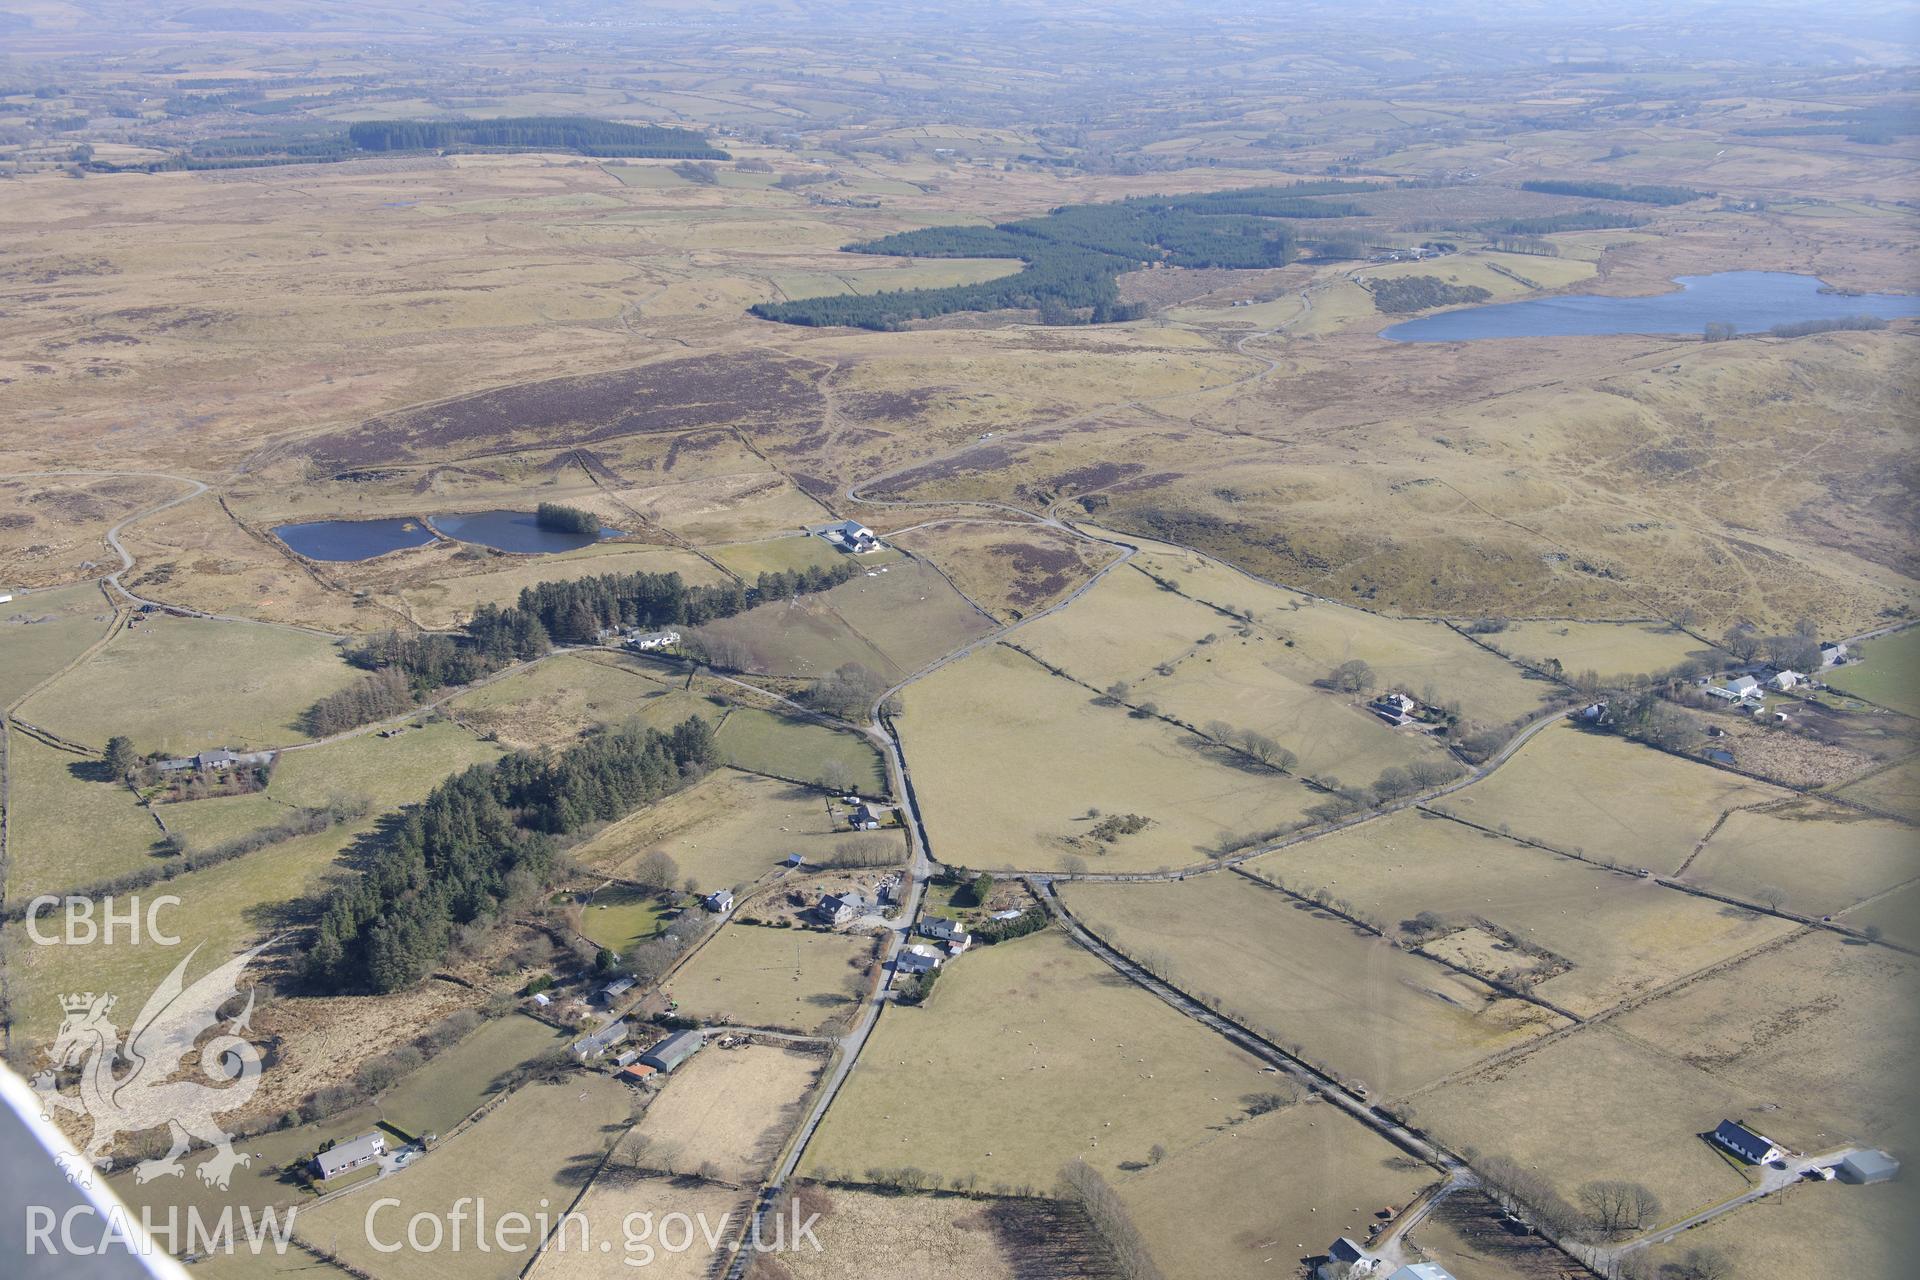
592 1046
673 1051
1868 1166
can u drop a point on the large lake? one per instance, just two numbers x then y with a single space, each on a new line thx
513 531
1754 301
353 539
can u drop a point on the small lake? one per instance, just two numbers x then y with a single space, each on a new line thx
353 539
1754 301
513 531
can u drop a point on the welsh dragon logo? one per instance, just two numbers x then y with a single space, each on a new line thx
144 1095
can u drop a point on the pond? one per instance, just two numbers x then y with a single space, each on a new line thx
353 539
1754 301
512 531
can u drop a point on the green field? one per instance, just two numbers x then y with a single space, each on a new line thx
786 747
795 551
727 830
439 1095
1315 635
1031 1053
1190 661
206 823
69 826
42 631
788 979
538 1145
259 1183
187 684
1888 672
1818 1229
389 772
223 910
619 917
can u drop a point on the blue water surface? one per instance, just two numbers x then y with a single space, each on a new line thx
353 539
1754 301
513 531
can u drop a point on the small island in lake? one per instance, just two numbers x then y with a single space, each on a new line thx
561 518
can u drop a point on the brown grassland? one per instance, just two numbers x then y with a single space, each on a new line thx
1622 936
1606 797
1268 1194
567 694
428 333
728 829
1029 1054
1009 569
784 979
732 1107
931 1237
1011 763
1823 858
543 1143
1816 1029
1644 1111
635 1217
1304 977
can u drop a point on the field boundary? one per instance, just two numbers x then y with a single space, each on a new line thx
1358 923
1669 882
